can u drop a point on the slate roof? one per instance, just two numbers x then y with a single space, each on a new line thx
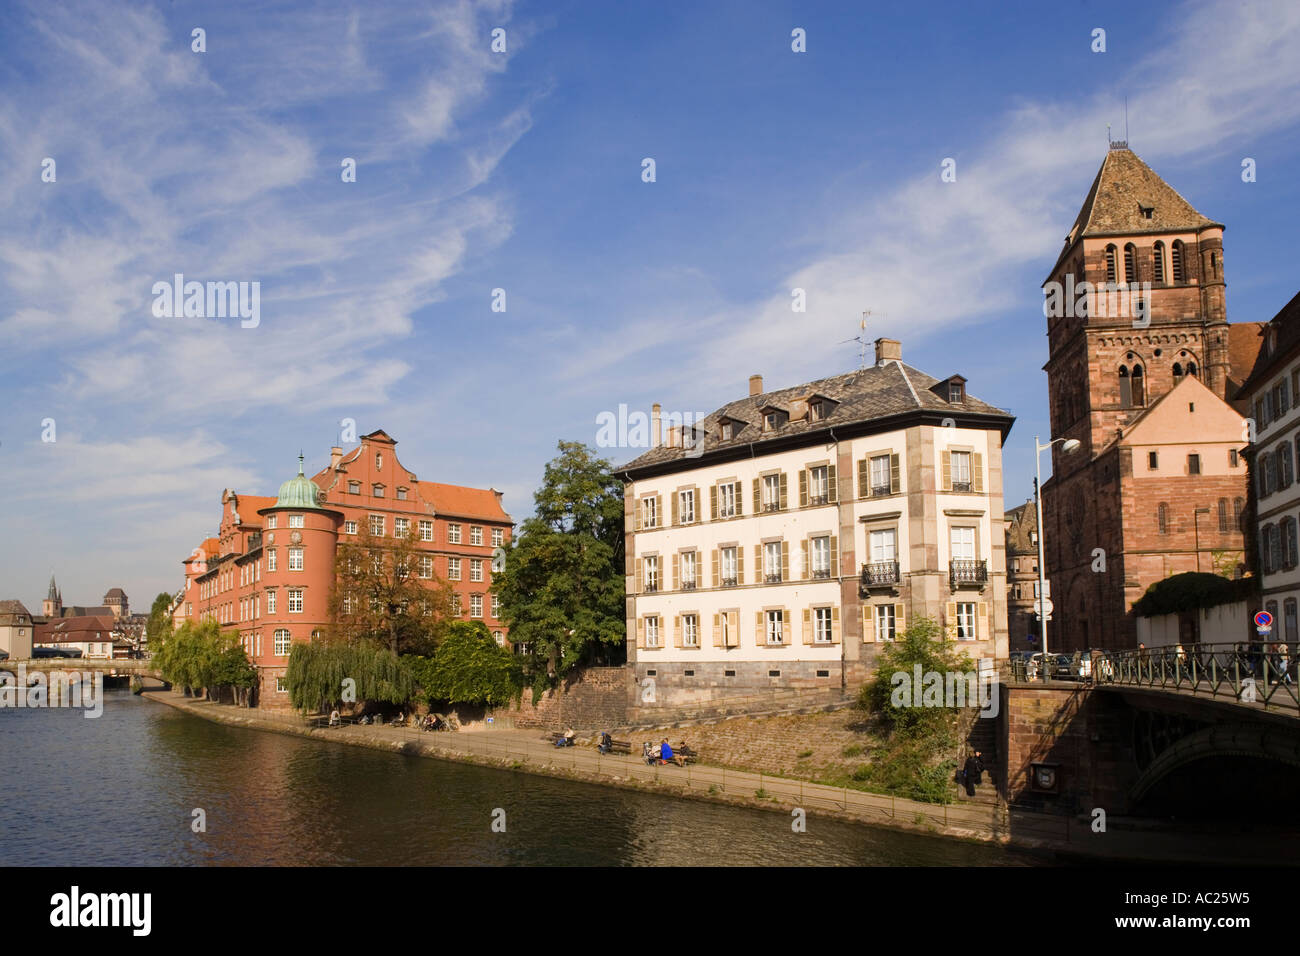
1287 324
14 612
878 392
1021 521
71 630
1123 185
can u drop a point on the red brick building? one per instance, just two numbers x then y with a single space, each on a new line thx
1144 378
270 569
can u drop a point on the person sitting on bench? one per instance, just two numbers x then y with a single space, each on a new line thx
605 742
567 739
335 720
666 755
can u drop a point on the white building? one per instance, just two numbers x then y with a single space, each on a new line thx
1273 392
783 539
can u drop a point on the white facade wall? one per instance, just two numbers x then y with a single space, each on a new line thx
1276 448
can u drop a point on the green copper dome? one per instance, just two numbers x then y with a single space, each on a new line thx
299 492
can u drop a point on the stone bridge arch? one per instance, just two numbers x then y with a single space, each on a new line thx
1223 740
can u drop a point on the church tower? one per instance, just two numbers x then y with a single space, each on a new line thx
1135 306
52 606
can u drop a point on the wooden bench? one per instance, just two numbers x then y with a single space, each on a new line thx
688 754
619 746
555 739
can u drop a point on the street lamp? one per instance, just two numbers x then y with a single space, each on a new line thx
1070 447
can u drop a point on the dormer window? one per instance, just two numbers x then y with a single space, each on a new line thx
1147 211
816 410
377 490
956 393
771 420
354 487
401 494
726 431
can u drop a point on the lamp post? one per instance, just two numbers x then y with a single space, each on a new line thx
1196 530
1071 445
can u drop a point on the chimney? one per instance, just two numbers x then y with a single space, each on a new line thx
888 350
654 425
336 453
755 385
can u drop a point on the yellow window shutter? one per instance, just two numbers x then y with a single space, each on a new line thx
640 632
676 500
952 621
717 630
659 510
863 490
782 504
713 503
716 580
733 628
803 545
807 626
758 495
785 560
900 624
738 494
677 630
835 625
982 621
699 574
637 588
894 483
760 572
740 565
787 626
868 624
636 513
977 471
803 487
676 562
835 555
832 485
946 458
758 629
699 504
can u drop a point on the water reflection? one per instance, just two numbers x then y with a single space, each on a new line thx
121 790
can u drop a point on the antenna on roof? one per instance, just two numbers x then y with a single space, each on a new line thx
861 339
1126 117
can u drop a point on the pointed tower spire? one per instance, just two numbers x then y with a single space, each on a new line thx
53 592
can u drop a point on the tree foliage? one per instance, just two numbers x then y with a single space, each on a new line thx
316 674
469 668
200 656
380 597
1191 591
562 588
159 626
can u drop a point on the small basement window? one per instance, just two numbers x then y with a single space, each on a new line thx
728 673
690 673
773 673
650 673
823 673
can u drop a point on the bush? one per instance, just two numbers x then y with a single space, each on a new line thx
469 668
1191 591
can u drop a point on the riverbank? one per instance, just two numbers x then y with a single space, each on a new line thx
525 751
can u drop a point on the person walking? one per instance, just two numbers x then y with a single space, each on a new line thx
973 772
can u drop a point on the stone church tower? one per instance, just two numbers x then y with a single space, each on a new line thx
52 606
1148 493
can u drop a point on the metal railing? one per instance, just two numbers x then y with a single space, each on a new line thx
968 573
879 574
1250 672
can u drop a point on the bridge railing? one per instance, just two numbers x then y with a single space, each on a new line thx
1251 672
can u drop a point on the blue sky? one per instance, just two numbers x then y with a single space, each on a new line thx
522 171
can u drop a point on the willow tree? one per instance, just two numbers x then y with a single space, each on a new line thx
381 595
325 675
562 586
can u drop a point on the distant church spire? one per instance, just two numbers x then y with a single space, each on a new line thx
53 593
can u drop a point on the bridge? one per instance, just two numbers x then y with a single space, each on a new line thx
1185 730
128 668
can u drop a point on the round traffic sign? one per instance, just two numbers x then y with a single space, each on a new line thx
1263 619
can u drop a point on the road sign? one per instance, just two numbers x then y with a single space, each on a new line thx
1263 631
1264 619
1044 606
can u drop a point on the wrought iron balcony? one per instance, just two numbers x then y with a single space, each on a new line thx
968 574
880 574
821 573
651 587
878 491
819 499
688 585
773 578
728 582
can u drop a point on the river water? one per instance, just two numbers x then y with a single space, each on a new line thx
122 789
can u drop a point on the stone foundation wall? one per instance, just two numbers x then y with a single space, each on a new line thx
592 700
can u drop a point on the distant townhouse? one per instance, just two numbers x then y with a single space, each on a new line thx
1022 576
15 630
269 571
1272 392
787 537
98 637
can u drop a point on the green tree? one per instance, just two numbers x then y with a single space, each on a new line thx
200 656
159 625
317 673
380 596
562 587
469 668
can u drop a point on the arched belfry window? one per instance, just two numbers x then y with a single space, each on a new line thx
1180 266
1158 262
1139 386
1178 373
1125 387
1191 369
1130 263
1111 264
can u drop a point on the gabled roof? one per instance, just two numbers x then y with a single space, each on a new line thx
13 612
1124 185
878 392
1215 419
1022 521
73 629
1287 343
